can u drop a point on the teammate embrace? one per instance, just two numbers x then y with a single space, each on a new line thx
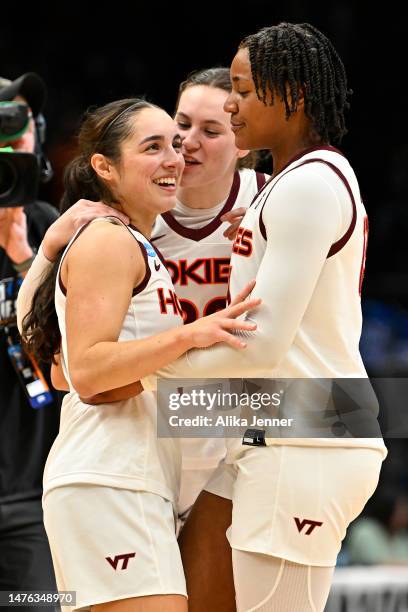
306 232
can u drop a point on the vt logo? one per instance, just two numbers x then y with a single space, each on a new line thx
124 558
312 524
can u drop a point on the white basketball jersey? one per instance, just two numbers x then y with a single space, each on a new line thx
327 341
197 256
116 444
196 252
303 239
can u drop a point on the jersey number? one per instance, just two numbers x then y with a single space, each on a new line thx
243 242
190 310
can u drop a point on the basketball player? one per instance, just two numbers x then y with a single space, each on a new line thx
307 235
217 180
217 184
119 318
304 239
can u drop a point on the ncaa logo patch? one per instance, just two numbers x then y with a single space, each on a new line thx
149 249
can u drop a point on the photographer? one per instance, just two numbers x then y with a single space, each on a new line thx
29 415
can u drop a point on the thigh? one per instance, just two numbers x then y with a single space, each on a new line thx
192 483
112 544
206 555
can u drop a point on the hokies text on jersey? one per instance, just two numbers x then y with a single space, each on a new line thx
202 271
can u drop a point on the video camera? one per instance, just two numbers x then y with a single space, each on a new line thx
19 172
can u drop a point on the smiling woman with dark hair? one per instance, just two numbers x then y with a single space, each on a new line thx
216 187
111 328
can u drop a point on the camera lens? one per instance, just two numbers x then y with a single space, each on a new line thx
8 177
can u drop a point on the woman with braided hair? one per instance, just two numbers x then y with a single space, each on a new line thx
305 238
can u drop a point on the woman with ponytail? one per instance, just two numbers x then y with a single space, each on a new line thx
217 185
107 320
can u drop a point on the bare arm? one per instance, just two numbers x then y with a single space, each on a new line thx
56 238
300 231
99 272
134 389
115 395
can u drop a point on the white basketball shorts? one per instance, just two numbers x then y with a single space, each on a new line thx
109 544
296 502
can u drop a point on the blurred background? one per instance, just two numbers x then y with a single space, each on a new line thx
91 54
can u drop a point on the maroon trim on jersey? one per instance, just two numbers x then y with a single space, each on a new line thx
311 150
261 223
260 179
262 189
158 237
261 183
295 158
146 278
61 284
143 283
204 232
337 246
159 254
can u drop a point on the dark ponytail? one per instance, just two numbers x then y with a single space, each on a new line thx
40 334
102 131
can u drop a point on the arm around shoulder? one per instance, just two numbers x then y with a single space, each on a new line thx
30 283
302 220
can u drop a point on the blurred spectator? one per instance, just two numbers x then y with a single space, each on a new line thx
384 340
27 430
381 536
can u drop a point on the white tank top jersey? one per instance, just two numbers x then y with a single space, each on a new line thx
116 444
335 305
197 256
304 239
196 252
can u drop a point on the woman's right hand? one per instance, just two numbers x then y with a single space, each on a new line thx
220 326
61 231
234 218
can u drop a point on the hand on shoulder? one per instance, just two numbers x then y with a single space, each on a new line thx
63 229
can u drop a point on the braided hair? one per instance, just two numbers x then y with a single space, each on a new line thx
288 58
